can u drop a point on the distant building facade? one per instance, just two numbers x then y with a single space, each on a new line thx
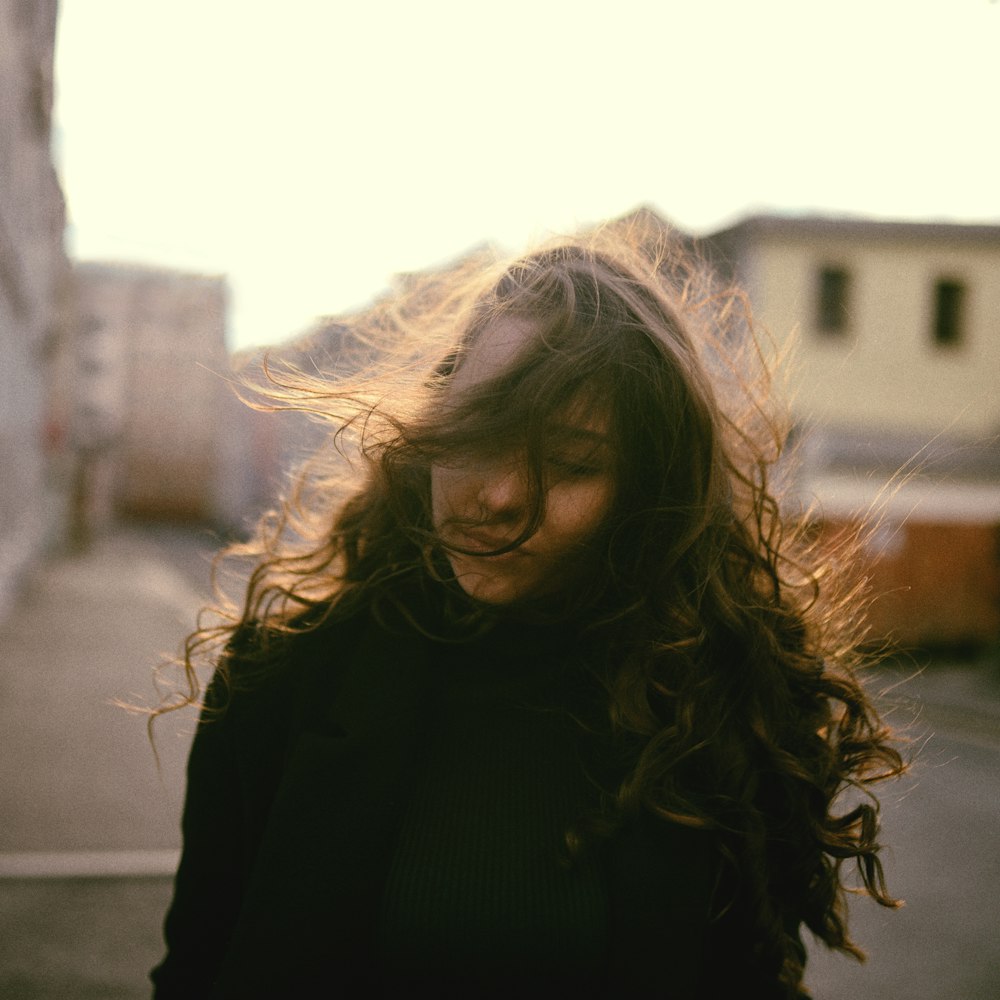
154 388
35 330
896 367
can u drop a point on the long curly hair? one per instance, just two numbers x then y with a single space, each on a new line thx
731 638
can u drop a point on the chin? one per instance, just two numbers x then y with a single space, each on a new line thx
495 588
488 591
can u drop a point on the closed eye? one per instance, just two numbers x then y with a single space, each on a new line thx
566 468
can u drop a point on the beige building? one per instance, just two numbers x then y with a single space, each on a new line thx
154 392
895 333
34 332
898 324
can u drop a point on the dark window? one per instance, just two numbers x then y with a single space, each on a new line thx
832 300
948 307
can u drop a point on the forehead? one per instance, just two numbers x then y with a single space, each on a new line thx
568 403
494 351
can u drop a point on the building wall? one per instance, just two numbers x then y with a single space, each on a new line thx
34 333
932 583
885 369
896 427
157 391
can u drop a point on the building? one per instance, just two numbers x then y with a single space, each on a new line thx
155 400
895 333
35 330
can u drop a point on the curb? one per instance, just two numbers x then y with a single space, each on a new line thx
89 864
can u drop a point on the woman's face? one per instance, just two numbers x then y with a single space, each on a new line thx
482 503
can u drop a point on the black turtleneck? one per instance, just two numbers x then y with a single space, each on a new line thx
480 895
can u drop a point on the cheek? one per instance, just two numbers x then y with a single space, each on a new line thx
575 512
454 493
439 494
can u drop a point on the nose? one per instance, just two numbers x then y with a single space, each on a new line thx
502 491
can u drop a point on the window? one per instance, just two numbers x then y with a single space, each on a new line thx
832 300
949 297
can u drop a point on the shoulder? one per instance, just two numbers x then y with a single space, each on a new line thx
266 678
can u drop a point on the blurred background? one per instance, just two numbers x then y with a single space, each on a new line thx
185 183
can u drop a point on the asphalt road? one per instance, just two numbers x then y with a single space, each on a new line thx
92 820
941 826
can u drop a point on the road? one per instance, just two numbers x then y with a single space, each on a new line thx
90 823
940 824
78 773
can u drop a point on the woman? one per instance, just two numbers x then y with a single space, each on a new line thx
554 700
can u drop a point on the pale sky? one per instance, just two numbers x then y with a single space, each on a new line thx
309 149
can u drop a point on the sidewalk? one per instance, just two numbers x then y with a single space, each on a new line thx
90 829
80 793
77 774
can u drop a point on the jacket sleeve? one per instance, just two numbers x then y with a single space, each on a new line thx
208 886
232 771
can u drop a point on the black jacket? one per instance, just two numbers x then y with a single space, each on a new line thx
294 798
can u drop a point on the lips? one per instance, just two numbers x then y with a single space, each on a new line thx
485 542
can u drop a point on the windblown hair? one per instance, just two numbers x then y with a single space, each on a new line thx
731 638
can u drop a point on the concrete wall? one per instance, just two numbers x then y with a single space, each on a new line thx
34 332
157 391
